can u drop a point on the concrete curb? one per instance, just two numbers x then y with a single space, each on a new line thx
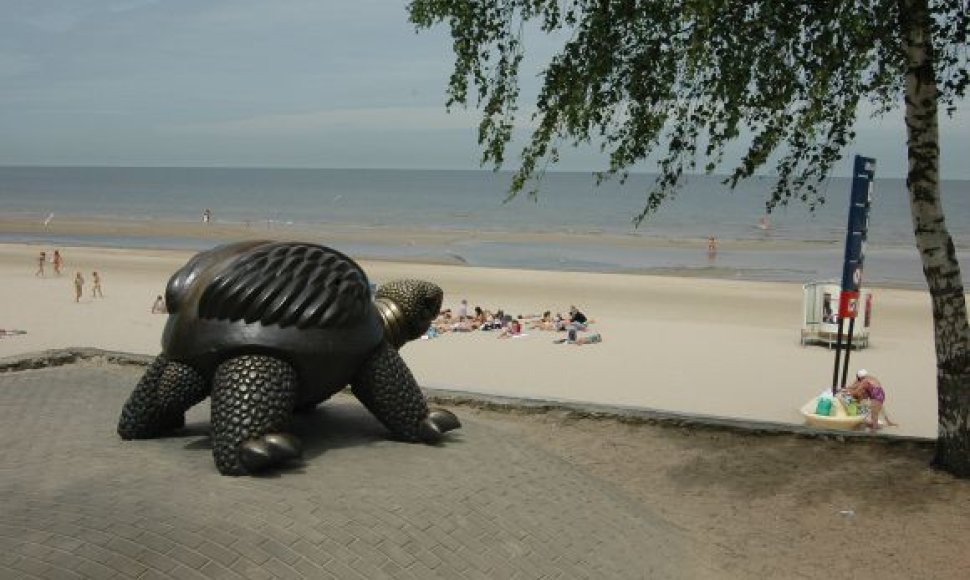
511 405
71 355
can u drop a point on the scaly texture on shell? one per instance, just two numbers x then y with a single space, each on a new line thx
288 284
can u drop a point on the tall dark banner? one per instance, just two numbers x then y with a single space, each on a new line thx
863 172
855 239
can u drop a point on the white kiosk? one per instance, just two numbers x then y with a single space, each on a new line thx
820 311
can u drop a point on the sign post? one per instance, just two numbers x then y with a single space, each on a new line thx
863 172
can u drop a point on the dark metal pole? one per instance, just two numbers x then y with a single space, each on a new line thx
838 354
848 351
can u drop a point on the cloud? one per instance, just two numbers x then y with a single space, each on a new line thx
12 65
129 5
55 21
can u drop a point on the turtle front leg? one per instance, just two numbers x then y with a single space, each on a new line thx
161 398
387 388
252 404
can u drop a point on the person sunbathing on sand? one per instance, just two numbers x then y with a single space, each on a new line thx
461 325
560 322
514 328
443 322
576 316
591 338
577 319
573 337
480 318
544 323
492 321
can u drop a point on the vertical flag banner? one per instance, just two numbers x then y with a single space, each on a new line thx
863 172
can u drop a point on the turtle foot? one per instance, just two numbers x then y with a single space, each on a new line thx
269 450
252 404
436 424
158 403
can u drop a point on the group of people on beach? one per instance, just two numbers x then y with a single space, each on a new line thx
575 324
57 261
95 286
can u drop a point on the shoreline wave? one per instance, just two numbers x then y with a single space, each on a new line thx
756 260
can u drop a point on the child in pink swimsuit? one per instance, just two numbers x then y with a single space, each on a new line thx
873 391
868 387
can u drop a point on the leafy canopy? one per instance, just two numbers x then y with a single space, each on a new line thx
683 78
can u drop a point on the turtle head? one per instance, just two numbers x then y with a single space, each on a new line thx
407 308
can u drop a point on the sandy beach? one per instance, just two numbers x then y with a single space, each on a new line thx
780 506
701 346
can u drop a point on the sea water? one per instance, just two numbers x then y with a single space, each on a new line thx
474 201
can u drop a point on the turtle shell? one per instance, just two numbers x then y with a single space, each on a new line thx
307 304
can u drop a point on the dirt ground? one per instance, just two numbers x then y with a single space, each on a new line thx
773 505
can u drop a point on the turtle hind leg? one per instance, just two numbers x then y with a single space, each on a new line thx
387 388
253 397
161 398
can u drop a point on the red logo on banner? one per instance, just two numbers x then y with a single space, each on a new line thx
848 304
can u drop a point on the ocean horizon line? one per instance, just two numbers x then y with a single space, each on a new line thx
509 171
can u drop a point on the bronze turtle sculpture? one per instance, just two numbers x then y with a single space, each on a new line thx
272 328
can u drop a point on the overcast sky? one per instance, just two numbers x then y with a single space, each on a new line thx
288 83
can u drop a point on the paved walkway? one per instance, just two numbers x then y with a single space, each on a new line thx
77 502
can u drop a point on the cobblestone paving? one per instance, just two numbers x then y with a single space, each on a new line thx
77 502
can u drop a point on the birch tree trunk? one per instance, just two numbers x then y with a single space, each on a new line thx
936 249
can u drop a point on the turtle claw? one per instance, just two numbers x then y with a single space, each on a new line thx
269 450
438 422
288 446
445 420
255 455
